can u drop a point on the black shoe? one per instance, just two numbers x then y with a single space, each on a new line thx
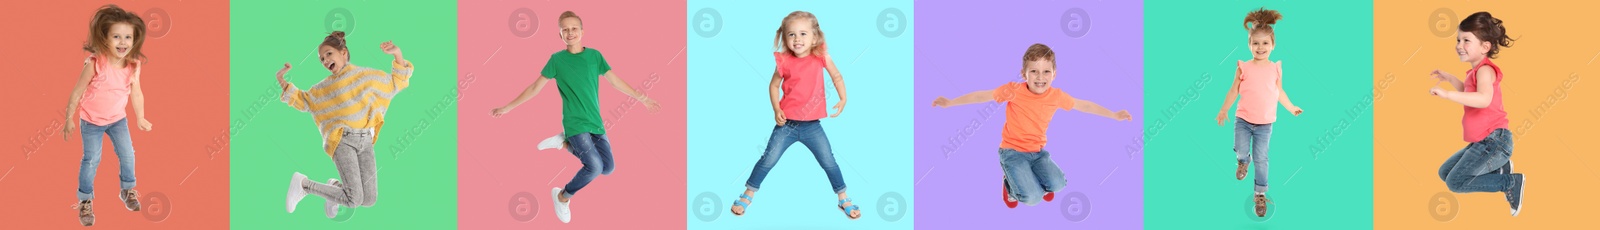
1514 196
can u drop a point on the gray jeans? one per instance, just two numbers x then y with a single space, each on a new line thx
358 172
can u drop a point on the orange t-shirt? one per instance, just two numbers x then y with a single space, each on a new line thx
1028 115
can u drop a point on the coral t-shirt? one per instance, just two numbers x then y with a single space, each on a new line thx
803 98
105 100
1477 123
1258 93
1028 115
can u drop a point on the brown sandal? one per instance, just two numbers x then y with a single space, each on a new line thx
1261 205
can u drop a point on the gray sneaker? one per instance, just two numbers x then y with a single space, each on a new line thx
85 212
1514 196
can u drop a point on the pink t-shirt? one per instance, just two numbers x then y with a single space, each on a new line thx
1258 93
803 98
1477 123
106 98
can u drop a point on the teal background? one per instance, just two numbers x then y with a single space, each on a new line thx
416 150
1321 161
730 118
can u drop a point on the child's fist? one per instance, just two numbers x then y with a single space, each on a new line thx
1123 115
497 112
941 102
1296 111
389 48
281 72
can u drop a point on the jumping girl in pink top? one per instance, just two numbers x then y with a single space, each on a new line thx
1485 164
1258 87
109 81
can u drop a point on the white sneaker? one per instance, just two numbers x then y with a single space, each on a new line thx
296 192
331 208
563 212
551 143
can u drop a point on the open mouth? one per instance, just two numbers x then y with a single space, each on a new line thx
1039 84
330 66
122 49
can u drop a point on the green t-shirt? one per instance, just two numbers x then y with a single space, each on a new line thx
578 78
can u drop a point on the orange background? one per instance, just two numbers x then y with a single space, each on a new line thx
184 158
1543 93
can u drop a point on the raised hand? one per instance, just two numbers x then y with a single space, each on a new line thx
283 83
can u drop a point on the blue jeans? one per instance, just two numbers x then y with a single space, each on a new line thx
1469 169
1250 144
806 132
594 150
1030 175
92 142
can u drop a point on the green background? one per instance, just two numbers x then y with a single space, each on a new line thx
1321 161
416 150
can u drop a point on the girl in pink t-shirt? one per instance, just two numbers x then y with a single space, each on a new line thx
1485 164
1258 87
799 104
110 80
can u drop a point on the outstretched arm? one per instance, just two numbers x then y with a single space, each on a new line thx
528 93
1479 99
77 94
297 99
838 85
401 73
1091 108
617 83
969 98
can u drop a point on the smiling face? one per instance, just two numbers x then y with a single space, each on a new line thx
1261 44
799 36
571 31
120 39
1470 48
333 58
1038 75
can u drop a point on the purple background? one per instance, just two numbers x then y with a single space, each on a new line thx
963 47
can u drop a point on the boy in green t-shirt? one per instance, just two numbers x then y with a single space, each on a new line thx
576 71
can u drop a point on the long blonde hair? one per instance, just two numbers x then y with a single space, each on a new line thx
777 41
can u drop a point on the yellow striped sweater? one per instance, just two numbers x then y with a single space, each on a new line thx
352 98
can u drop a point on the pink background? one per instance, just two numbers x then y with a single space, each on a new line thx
497 155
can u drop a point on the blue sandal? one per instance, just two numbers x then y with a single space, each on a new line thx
847 209
742 204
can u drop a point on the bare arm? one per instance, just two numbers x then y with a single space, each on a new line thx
533 89
77 94
617 83
969 98
136 97
838 84
1233 96
1283 97
1091 108
775 91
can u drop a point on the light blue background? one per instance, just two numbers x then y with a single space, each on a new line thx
730 117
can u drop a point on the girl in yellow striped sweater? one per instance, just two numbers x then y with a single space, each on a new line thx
348 107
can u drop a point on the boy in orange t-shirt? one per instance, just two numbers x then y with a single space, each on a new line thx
1029 172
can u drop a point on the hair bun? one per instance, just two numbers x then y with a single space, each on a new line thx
1261 18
